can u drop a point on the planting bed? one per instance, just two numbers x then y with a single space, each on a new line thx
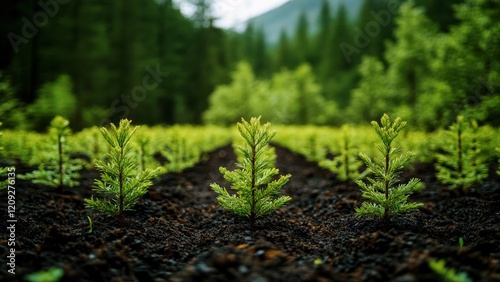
180 233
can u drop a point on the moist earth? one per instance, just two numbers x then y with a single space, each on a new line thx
178 231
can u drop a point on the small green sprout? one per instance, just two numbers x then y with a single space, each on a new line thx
387 199
253 178
90 224
460 242
448 274
53 274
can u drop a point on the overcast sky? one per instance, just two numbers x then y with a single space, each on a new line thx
235 12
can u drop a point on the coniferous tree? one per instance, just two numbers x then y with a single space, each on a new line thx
301 45
56 169
284 54
410 55
461 165
321 42
386 198
121 177
346 164
256 191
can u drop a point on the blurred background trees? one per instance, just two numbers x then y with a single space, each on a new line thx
429 62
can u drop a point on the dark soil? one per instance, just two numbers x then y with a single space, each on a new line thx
180 233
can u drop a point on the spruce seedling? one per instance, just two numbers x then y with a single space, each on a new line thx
347 164
252 179
144 152
121 178
57 169
461 165
180 154
387 199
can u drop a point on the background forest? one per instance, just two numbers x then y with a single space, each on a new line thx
99 61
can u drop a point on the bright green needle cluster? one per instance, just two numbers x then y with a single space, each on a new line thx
121 177
462 164
56 168
256 191
386 198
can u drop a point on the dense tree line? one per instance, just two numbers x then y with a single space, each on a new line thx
103 60
140 59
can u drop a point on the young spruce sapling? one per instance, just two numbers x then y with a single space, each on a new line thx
461 165
57 169
256 191
346 165
387 199
121 177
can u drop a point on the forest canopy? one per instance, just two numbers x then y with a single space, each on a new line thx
95 62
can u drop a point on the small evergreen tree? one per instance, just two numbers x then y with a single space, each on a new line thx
346 165
387 199
121 177
252 179
179 153
461 165
56 168
144 152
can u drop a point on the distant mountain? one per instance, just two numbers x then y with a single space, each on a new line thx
287 15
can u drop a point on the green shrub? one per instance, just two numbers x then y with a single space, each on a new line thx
461 165
252 179
387 199
346 165
56 169
121 178
289 97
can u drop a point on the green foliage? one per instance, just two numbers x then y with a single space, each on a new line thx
252 180
144 152
89 142
12 113
179 152
287 98
461 165
447 274
387 199
498 171
3 170
52 274
346 164
91 229
121 178
55 98
56 169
